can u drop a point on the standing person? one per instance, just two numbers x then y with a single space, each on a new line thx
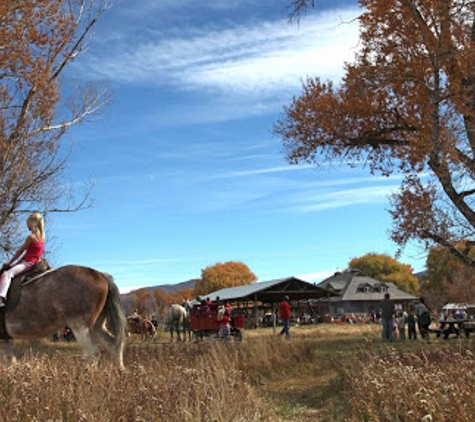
224 319
204 307
284 308
423 318
387 315
411 325
153 320
228 307
28 254
402 325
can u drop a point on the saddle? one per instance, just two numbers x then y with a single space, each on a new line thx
14 292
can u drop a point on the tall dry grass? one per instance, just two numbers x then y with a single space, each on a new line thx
428 382
325 373
209 381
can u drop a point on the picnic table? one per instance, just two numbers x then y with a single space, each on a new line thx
451 326
469 327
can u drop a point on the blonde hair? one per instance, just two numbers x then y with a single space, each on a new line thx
36 225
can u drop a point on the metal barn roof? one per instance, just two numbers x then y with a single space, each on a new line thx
271 291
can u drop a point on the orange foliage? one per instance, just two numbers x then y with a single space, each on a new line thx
220 276
448 279
141 300
406 105
386 269
180 295
156 302
37 42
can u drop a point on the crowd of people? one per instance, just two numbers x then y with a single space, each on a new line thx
394 321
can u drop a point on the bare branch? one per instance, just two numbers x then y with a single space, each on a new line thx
37 45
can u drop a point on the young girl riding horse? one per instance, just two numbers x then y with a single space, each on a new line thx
30 253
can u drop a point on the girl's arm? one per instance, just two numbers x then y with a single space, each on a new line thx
20 251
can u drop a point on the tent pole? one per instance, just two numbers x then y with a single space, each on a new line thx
274 319
255 310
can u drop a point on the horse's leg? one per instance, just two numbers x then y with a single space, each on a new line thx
109 343
6 350
87 343
151 332
113 345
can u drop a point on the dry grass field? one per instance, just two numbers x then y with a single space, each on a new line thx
324 373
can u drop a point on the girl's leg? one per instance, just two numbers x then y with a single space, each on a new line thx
6 278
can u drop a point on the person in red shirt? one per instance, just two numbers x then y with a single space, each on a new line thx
228 307
28 254
285 317
224 319
225 327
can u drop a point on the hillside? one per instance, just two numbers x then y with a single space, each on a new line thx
167 288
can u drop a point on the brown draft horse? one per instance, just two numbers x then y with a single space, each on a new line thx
142 326
81 298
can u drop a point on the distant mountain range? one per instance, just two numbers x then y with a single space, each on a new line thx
167 288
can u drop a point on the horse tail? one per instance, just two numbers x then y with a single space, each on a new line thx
114 312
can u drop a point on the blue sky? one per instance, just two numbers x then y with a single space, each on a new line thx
185 168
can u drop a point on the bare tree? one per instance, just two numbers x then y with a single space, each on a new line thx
37 42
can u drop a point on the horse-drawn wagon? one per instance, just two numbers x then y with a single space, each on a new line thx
206 324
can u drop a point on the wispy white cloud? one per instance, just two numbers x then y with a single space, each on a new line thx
251 59
270 190
255 172
290 168
320 201
150 8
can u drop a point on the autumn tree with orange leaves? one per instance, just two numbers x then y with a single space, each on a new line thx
448 279
155 302
38 40
386 269
405 105
220 276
